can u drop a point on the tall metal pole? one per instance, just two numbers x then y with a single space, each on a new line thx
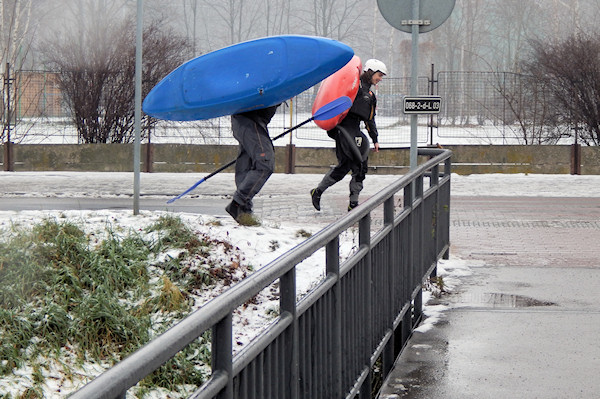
414 72
138 108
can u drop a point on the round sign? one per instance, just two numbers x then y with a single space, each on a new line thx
432 13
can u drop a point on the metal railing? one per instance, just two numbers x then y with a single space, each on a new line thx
326 344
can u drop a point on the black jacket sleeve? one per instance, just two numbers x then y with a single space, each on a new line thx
370 122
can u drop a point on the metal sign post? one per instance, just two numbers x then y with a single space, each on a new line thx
414 17
414 80
138 108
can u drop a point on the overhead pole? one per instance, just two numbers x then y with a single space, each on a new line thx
414 81
414 17
138 108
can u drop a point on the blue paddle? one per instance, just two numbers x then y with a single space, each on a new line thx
327 111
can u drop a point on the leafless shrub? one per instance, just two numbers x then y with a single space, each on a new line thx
532 109
97 77
570 70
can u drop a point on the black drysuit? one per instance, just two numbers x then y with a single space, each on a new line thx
351 144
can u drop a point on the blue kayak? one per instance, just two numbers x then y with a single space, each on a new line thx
246 76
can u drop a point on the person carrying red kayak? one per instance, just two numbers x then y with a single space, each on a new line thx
351 144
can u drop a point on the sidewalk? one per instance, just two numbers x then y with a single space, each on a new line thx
525 323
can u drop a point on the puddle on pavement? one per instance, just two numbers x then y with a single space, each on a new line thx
496 299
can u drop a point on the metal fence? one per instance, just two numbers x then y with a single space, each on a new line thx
326 344
481 105
475 111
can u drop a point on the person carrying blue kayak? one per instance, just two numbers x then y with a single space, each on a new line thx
351 144
255 162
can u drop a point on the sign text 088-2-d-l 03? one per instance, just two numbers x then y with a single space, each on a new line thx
422 104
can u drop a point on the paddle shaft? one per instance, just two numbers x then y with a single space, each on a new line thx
228 164
335 107
274 138
293 128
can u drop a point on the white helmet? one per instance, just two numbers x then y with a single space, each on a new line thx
375 65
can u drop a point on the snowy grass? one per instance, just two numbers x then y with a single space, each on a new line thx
76 299
82 289
72 297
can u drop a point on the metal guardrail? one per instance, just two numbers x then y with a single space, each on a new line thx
326 344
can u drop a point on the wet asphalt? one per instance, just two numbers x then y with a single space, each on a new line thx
524 322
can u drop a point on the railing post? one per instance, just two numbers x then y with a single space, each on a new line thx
419 225
221 352
446 204
409 202
364 239
332 262
8 156
407 321
389 357
435 181
287 303
149 158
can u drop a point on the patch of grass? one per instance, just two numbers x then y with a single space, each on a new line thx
436 286
63 292
66 290
175 234
171 298
303 233
248 219
184 367
105 327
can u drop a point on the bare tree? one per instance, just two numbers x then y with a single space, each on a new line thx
337 19
191 9
460 42
96 74
15 25
278 17
15 41
532 109
571 72
242 19
514 23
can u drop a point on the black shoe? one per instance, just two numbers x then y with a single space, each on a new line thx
352 205
315 194
234 210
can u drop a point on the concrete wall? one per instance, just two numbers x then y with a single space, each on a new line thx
206 158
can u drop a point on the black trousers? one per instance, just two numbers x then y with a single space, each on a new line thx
352 151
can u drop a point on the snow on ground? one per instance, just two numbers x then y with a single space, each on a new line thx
258 245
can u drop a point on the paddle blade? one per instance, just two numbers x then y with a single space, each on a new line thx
333 108
186 191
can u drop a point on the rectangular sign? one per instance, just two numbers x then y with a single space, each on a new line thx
422 104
